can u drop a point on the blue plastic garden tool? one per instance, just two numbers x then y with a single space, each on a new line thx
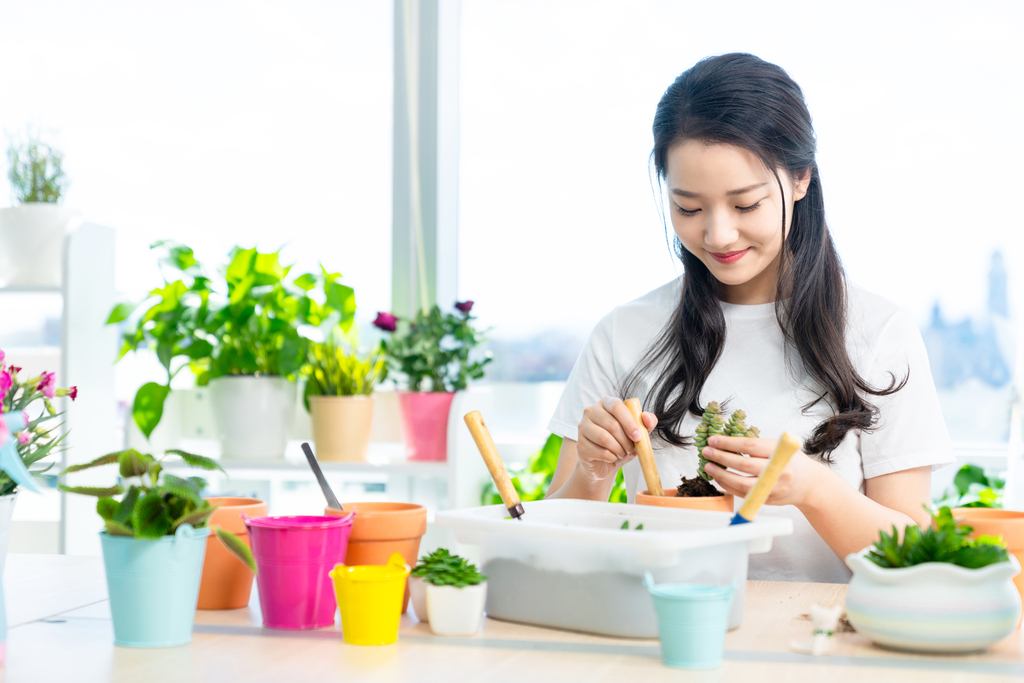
10 462
759 494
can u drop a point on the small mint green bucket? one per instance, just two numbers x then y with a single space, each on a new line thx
692 622
154 586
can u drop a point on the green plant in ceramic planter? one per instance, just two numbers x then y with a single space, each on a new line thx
441 568
159 503
433 351
41 436
333 370
974 487
36 171
249 322
944 541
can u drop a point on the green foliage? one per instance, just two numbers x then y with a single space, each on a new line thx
532 482
944 541
252 321
36 171
157 505
638 527
333 371
713 423
441 568
974 487
433 351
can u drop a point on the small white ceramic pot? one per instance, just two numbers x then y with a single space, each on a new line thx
933 607
455 611
32 244
253 415
6 512
418 595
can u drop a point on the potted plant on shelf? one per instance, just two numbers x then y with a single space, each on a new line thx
936 590
32 231
154 540
242 336
699 493
338 396
39 438
433 353
455 593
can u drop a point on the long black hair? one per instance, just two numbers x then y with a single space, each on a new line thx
741 100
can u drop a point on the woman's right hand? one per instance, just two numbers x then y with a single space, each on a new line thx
606 438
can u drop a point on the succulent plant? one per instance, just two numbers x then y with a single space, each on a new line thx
712 423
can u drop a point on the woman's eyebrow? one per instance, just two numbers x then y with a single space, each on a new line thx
730 193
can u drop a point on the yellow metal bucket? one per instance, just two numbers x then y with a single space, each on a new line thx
370 597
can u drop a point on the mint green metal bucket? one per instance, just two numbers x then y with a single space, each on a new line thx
154 586
692 622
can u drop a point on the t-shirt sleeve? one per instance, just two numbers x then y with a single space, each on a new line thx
910 431
592 378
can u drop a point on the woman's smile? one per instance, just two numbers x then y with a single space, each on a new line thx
729 256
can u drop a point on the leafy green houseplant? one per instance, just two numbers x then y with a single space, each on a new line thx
974 487
251 322
944 541
36 171
154 541
454 592
339 385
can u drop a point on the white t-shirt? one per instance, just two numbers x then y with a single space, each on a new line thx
753 374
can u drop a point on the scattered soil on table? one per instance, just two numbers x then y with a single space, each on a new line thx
844 625
696 488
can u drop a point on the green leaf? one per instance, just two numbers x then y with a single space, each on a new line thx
193 460
236 547
134 464
121 312
107 508
305 282
182 488
117 529
196 518
108 459
969 474
150 517
127 507
98 491
149 406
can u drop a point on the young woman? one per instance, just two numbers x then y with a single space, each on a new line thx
763 319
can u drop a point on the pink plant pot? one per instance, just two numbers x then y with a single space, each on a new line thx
425 423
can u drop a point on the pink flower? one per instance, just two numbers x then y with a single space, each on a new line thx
4 432
2 355
465 306
73 393
46 385
5 384
14 370
24 437
386 321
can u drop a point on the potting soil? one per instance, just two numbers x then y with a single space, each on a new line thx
696 487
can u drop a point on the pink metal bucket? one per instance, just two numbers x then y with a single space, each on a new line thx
425 424
295 556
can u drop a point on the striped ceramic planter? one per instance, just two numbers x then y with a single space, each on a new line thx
933 607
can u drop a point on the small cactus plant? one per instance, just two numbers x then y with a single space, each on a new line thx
712 423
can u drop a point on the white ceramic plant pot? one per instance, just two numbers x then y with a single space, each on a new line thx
6 511
455 611
31 244
418 595
253 415
933 607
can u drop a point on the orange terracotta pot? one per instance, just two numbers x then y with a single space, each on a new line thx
227 582
379 529
1006 523
671 500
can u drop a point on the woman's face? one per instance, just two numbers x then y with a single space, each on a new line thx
727 211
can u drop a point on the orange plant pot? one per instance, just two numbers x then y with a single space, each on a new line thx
993 522
671 500
379 529
227 582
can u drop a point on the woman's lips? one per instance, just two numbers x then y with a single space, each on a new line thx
729 256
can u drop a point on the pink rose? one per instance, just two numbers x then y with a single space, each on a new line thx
465 306
386 321
24 437
5 384
46 385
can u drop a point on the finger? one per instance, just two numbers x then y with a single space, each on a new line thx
591 453
651 421
739 483
600 436
625 425
758 448
737 462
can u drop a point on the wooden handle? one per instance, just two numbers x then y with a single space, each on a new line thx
759 494
489 452
644 452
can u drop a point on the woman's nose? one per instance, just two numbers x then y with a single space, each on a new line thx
719 232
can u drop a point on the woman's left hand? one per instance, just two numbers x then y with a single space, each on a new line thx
794 485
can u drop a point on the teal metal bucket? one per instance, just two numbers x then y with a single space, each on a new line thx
692 622
154 586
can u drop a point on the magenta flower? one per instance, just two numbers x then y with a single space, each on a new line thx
24 437
72 392
464 306
386 321
2 355
14 370
5 384
47 386
4 432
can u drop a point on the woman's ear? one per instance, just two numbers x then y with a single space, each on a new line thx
803 181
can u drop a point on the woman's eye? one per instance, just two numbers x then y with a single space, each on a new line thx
745 209
686 212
